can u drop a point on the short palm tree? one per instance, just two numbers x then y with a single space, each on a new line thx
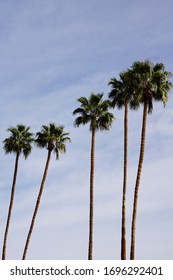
152 84
94 111
53 138
18 143
120 96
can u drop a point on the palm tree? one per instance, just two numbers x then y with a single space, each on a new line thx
152 84
94 111
18 143
120 96
53 138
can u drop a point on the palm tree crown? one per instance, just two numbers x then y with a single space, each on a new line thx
151 83
122 89
94 110
19 141
52 138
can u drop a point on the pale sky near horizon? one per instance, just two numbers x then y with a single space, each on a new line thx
51 53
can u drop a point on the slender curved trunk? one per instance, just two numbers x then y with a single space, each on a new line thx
141 158
123 227
10 207
37 205
91 215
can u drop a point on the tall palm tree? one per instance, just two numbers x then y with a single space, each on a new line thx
120 96
53 138
152 84
18 143
94 111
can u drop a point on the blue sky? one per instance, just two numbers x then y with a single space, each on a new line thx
51 53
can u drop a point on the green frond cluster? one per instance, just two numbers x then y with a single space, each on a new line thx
144 82
20 140
94 111
152 83
122 89
53 138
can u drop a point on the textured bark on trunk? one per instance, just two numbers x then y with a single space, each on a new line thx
37 205
91 215
10 207
141 158
123 227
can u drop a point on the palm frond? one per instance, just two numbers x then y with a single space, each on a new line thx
151 83
20 140
122 90
95 108
53 138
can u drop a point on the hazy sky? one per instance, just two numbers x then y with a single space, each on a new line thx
51 53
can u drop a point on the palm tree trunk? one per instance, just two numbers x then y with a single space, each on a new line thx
37 205
10 206
123 227
91 215
141 158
